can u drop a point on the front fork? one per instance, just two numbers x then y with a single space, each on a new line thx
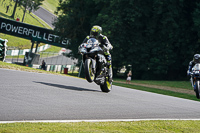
192 82
93 65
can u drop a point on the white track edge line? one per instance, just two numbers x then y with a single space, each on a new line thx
102 120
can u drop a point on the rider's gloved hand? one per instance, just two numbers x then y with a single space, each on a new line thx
191 73
104 47
107 47
188 73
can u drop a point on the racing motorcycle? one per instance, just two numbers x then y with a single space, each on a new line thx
95 64
195 79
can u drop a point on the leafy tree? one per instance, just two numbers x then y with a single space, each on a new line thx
14 10
74 22
157 38
27 5
30 5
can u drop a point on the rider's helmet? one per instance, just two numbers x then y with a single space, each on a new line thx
196 58
95 31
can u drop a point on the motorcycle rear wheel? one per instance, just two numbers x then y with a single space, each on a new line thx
107 86
197 89
88 70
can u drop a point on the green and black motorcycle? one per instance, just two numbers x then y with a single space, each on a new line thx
195 79
95 64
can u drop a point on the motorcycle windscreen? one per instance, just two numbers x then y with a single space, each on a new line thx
197 67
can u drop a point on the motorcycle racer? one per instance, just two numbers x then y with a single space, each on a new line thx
196 59
95 32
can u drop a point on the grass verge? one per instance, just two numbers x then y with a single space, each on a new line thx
30 69
169 126
50 5
174 84
158 91
24 68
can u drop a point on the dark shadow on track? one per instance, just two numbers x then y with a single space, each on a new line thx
65 87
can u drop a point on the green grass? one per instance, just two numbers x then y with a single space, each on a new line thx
53 49
159 91
47 54
30 69
16 42
50 5
165 126
175 84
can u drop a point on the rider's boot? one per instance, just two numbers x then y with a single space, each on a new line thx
110 74
192 83
194 87
108 57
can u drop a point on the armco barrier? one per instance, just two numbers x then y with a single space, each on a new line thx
56 68
16 52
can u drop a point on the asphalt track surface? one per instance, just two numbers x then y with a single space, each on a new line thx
46 16
27 96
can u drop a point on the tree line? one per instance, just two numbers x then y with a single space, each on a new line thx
29 5
156 38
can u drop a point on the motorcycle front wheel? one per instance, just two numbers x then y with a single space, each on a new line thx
107 86
88 71
197 89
